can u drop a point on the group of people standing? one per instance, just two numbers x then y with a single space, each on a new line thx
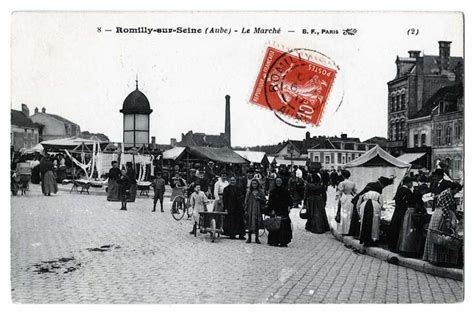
245 211
122 184
359 215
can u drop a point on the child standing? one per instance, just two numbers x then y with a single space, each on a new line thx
198 203
159 190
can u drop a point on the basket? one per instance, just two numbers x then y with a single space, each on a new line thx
272 223
303 213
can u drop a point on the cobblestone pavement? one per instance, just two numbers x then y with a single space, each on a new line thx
72 248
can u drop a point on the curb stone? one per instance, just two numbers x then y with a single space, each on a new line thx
411 263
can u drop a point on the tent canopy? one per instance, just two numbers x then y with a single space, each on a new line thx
253 156
374 164
377 157
38 148
410 157
225 155
71 143
173 153
287 162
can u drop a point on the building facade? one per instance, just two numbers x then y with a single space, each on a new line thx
417 79
334 153
54 126
24 133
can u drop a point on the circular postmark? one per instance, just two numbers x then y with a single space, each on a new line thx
297 85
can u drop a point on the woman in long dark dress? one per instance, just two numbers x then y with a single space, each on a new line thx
48 179
315 201
132 178
113 186
254 201
279 203
233 205
402 198
411 241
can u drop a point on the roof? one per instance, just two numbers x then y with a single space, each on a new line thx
174 153
446 93
203 140
430 65
223 154
71 142
60 118
410 157
136 103
377 155
21 120
253 156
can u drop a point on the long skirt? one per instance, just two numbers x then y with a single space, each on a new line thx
317 219
133 192
282 236
113 191
411 240
254 219
434 253
234 222
346 214
370 222
394 230
48 183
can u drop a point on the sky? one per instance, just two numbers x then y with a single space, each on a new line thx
61 62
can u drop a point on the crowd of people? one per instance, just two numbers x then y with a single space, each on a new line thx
412 231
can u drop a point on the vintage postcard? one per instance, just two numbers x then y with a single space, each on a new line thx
237 157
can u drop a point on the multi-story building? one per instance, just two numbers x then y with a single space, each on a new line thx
447 130
24 133
54 126
417 79
335 152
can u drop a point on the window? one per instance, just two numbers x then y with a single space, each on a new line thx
332 157
343 159
398 102
438 135
448 134
394 106
339 157
423 140
457 132
403 101
316 158
353 156
327 160
415 140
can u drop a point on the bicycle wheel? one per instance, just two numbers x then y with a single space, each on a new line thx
213 230
178 208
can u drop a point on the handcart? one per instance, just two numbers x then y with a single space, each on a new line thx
23 177
212 222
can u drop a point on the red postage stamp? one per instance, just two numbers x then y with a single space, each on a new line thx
291 85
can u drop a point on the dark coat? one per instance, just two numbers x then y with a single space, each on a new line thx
403 198
233 205
280 201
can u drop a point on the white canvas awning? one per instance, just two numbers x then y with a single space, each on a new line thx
173 153
374 164
299 163
410 157
253 156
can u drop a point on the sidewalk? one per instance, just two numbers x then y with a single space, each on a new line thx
394 258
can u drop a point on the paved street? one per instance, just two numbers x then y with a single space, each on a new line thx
72 248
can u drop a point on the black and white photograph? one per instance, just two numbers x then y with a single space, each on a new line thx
201 157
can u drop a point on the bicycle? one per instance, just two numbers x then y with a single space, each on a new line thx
180 205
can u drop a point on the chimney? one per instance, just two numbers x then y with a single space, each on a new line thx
308 135
153 140
173 142
36 110
25 110
43 110
414 53
227 119
343 136
444 54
